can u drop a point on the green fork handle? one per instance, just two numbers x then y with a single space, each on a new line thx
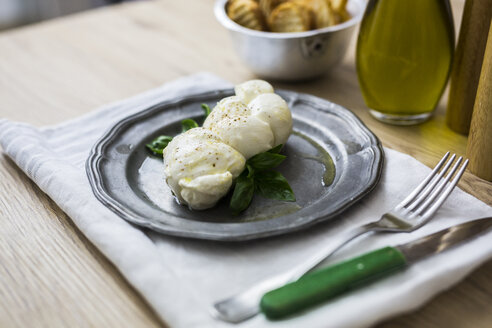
322 285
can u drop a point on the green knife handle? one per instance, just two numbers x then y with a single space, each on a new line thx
319 286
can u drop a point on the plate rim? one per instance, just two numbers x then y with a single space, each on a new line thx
96 181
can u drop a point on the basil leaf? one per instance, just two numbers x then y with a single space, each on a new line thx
248 171
188 124
272 184
266 161
158 144
206 110
276 149
243 193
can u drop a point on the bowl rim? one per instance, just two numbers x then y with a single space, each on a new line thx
223 18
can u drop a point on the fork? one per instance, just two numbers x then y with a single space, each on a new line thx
412 213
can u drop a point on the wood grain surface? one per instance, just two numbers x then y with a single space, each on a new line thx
479 148
50 275
467 64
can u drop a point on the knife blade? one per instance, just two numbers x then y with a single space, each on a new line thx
322 285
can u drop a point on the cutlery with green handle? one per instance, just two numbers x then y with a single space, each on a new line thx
322 285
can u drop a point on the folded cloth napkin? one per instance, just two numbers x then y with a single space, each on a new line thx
181 278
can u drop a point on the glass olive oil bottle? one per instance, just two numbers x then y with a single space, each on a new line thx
404 54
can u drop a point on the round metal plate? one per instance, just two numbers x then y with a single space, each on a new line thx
130 182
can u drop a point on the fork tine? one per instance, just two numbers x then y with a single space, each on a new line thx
438 190
446 192
430 187
421 186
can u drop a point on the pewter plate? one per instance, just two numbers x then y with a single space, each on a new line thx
130 182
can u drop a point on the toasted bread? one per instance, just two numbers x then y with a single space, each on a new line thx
340 10
290 17
323 15
246 13
267 6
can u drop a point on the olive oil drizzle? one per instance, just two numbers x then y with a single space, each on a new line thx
322 157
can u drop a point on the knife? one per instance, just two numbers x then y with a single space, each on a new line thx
322 285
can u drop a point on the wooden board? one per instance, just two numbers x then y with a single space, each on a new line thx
50 275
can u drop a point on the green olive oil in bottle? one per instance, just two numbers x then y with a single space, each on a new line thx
404 54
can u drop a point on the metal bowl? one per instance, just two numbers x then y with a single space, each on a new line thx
292 56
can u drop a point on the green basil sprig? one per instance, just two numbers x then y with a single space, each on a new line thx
272 184
275 150
206 110
243 191
157 145
266 161
188 124
258 177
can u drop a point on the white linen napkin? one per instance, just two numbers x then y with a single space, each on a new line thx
181 278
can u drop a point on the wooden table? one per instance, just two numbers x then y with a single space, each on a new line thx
50 275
